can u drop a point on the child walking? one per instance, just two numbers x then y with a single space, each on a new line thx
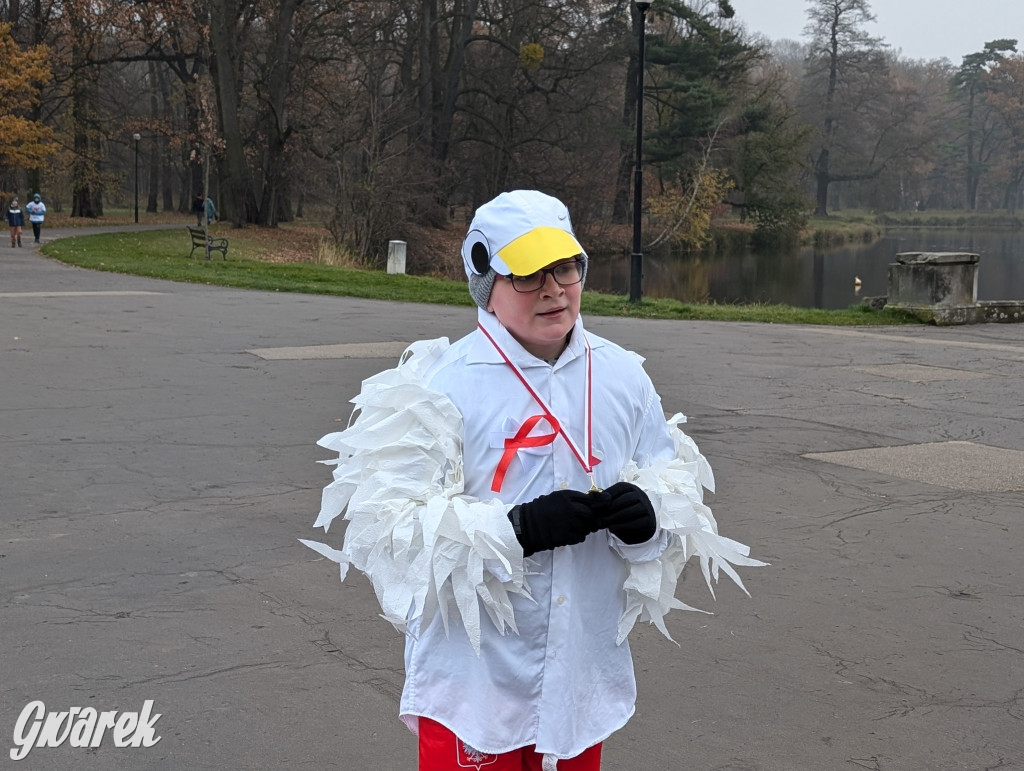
36 214
519 501
16 220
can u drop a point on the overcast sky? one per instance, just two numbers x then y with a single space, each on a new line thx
921 29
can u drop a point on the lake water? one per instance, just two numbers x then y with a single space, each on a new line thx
808 279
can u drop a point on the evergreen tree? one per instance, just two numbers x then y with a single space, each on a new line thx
968 86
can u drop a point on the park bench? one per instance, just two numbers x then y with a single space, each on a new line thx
207 243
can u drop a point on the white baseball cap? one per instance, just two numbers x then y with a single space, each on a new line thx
518 233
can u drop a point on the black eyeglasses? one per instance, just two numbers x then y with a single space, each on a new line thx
564 274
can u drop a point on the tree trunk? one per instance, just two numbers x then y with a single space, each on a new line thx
13 16
450 88
237 203
1013 192
152 198
86 196
822 180
275 126
428 58
164 159
196 145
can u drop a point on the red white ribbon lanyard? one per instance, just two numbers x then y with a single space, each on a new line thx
523 438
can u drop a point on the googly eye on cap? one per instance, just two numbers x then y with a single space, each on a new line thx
476 253
478 257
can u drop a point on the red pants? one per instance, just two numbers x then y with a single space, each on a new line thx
441 750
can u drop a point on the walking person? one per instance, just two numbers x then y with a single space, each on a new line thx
36 214
199 208
519 501
16 219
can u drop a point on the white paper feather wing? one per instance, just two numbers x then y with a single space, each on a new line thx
425 547
676 488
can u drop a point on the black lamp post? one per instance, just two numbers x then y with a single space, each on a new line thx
636 261
136 137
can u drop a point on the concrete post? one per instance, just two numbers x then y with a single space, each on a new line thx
942 288
396 256
933 279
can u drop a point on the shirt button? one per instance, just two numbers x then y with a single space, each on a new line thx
560 600
563 485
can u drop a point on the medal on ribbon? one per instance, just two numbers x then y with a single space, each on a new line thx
523 436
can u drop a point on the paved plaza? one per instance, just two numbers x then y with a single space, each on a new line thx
158 456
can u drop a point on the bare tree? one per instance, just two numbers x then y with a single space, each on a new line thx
844 64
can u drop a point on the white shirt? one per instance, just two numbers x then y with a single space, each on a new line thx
562 683
36 211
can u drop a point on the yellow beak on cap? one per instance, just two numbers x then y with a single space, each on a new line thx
537 249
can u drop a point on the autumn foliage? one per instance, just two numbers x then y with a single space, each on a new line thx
24 143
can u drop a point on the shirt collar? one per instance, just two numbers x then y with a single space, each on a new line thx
482 352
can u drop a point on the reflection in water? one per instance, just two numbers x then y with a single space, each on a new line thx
819 277
806 279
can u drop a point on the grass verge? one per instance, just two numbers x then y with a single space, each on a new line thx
163 254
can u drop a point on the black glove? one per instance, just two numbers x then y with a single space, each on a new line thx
628 513
561 518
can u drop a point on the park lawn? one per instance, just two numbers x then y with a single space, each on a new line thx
256 261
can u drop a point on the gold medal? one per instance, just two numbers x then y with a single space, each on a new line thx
593 486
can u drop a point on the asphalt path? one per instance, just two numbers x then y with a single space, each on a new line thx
157 473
